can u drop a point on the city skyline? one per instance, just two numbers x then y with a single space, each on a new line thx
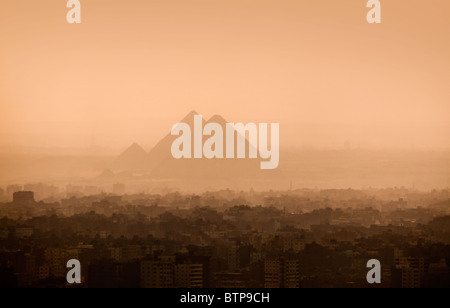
228 239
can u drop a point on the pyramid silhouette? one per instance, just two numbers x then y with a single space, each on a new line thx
160 164
134 158
163 165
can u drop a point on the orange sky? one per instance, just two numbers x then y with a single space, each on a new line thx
133 68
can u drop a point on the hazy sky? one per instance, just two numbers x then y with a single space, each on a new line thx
135 67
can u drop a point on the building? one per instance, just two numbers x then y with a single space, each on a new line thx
282 273
116 253
272 274
131 252
293 243
291 274
55 260
233 260
23 198
408 272
43 272
189 276
157 272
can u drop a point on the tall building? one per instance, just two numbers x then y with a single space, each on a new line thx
166 272
189 276
233 259
291 274
55 260
408 272
282 273
157 272
23 198
272 274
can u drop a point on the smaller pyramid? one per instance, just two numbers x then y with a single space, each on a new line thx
106 174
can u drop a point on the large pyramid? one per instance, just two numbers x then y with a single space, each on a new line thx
163 165
161 151
134 158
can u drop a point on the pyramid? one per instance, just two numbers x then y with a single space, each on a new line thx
133 158
159 163
163 165
106 174
162 149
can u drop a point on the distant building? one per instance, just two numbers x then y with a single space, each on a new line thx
272 274
282 273
157 272
166 272
291 274
131 252
189 276
55 260
233 258
23 198
116 253
408 272
292 243
43 272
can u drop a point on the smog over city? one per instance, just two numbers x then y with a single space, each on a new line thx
218 145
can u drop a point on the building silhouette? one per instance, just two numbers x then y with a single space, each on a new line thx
166 272
23 198
282 273
408 272
189 276
157 272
